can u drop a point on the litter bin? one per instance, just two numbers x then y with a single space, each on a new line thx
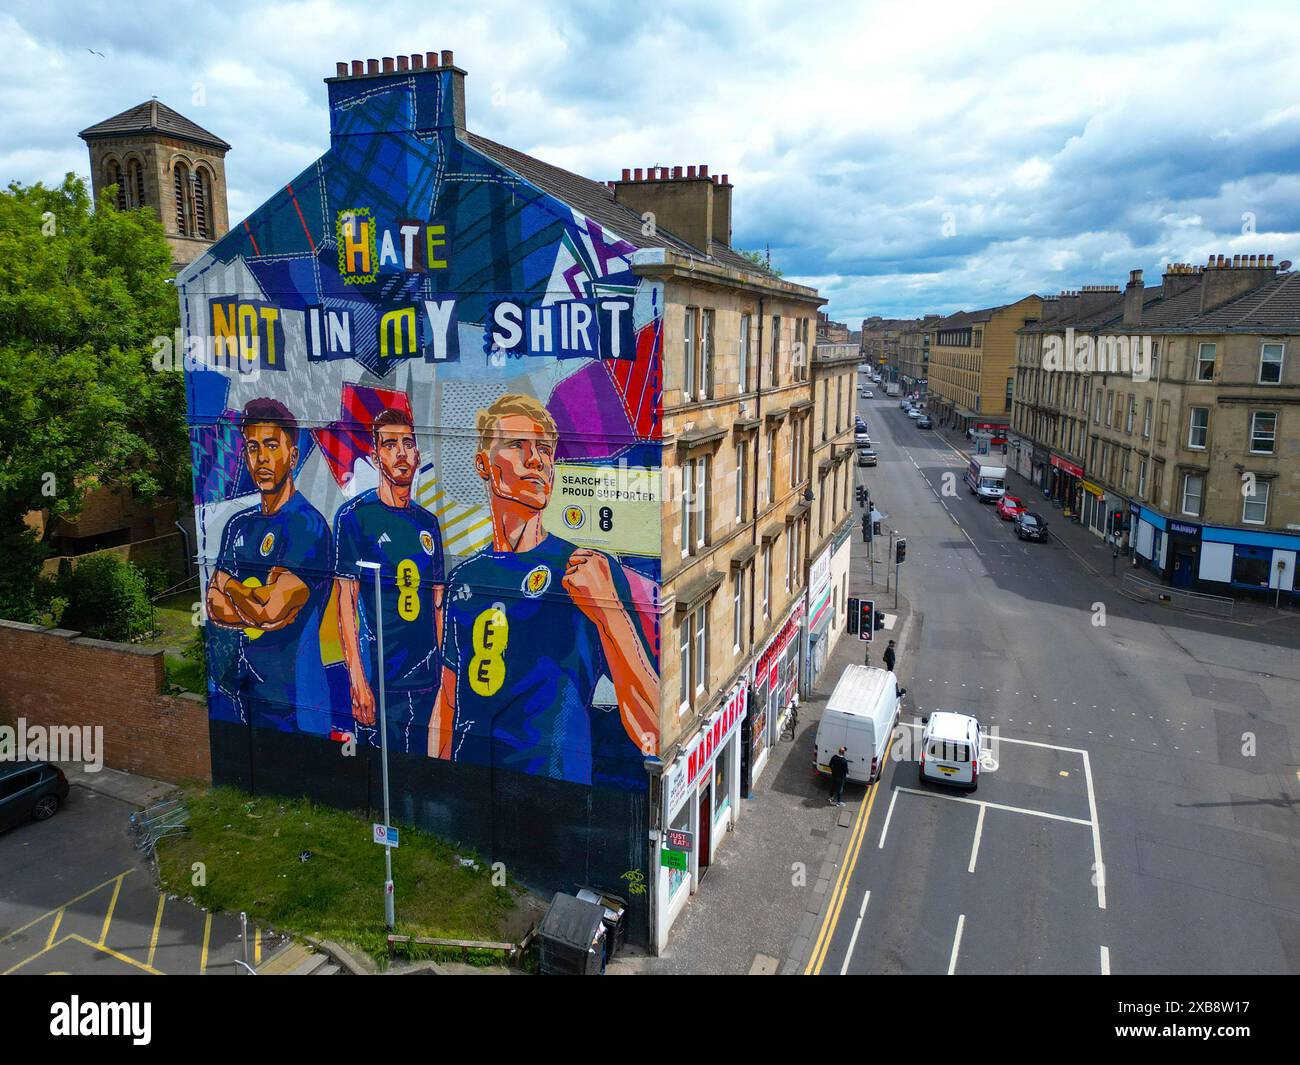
572 937
615 918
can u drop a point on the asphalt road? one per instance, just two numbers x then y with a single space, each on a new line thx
1141 818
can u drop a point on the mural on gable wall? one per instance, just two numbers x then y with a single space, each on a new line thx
452 376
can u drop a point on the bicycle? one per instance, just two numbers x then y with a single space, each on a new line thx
791 724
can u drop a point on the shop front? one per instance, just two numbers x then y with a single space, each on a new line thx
1042 467
1020 455
1183 566
1150 537
773 689
819 614
1094 507
701 796
1067 479
1245 560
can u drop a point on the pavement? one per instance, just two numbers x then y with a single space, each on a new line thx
76 896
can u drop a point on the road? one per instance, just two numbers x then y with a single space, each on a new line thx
1139 815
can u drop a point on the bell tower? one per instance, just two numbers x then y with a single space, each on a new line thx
161 160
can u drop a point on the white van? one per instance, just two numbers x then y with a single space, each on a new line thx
860 715
951 746
985 480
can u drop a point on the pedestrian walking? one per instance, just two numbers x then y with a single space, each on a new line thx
890 657
839 774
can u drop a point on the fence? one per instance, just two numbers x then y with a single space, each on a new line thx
1136 587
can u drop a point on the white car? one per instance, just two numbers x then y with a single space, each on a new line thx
868 394
951 747
914 412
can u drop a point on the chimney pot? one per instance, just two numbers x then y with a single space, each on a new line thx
704 170
677 173
715 179
388 64
448 60
372 66
725 180
430 60
417 61
638 174
358 68
627 174
690 171
403 62
340 70
1270 260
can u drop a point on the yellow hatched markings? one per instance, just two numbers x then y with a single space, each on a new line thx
54 928
157 925
110 951
58 910
257 946
112 905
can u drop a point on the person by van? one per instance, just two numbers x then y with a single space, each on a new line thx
839 774
890 657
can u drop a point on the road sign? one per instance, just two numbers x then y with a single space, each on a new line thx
385 835
674 859
676 840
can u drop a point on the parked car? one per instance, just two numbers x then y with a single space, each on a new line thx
1030 526
904 404
951 746
1009 507
30 791
866 457
923 422
914 412
868 394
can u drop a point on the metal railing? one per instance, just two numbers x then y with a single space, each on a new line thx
158 822
1136 587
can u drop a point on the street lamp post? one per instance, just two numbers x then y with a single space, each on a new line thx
383 742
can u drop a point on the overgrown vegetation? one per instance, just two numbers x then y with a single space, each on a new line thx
106 598
251 853
83 295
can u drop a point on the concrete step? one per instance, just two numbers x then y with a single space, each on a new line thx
310 965
327 970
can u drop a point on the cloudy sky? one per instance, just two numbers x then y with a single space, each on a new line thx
903 158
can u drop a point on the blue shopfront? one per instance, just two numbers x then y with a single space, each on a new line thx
1248 560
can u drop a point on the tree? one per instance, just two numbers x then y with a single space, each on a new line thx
83 294
763 259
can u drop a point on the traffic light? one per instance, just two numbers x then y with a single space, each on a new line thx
862 495
900 551
1117 522
853 617
866 619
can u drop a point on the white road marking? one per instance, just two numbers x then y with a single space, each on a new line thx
1098 869
975 846
956 944
857 927
1105 961
885 831
999 806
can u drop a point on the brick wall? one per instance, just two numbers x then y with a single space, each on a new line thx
56 677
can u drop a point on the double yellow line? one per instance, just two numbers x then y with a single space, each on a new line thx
841 888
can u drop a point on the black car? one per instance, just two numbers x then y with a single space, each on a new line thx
1030 526
30 791
923 422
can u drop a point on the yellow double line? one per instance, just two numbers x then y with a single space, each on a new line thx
841 888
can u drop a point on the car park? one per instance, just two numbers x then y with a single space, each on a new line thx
30 791
951 746
1009 507
1030 526
866 457
923 422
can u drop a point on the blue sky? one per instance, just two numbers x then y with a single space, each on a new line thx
903 158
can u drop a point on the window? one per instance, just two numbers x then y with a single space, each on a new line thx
181 186
826 410
701 502
1270 364
1011 382
1157 480
839 404
202 198
1146 420
1164 420
706 354
135 182
1200 428
115 178
742 470
737 608
743 369
1123 471
701 656
1132 414
1193 487
771 465
688 354
789 557
774 369
1110 407
1096 407
684 648
688 506
1142 478
767 581
1254 505
1263 431
1205 362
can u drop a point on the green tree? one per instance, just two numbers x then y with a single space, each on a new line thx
761 258
83 295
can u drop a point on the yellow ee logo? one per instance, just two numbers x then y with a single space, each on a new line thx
487 669
408 590
253 582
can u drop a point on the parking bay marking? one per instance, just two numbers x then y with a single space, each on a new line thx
857 927
956 944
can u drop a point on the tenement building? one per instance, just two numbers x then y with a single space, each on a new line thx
1167 415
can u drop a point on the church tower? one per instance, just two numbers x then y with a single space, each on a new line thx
159 159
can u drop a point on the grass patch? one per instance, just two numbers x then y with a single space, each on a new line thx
185 674
174 621
250 849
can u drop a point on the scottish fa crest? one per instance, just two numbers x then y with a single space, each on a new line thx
268 542
537 581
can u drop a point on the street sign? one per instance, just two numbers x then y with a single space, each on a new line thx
385 835
676 840
674 859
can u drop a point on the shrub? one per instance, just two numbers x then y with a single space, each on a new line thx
107 599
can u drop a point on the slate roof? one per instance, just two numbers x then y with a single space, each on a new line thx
1273 307
153 116
597 202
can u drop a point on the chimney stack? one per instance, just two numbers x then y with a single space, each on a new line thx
685 201
1222 281
1134 296
383 96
